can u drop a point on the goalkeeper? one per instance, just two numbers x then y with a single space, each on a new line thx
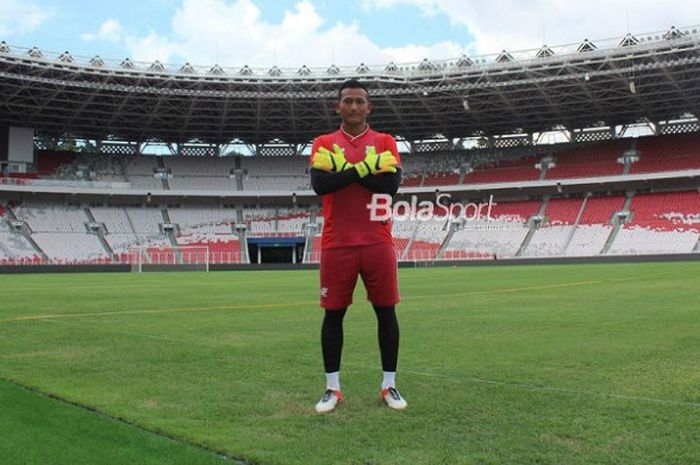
347 167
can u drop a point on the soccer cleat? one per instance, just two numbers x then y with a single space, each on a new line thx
328 402
393 399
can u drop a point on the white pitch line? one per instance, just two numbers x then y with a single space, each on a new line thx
540 287
532 387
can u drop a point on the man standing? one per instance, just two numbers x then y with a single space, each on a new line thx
347 167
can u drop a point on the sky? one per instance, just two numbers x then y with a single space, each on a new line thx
318 33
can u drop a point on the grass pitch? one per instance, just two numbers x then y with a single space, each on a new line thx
582 364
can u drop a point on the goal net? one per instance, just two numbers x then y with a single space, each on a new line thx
181 258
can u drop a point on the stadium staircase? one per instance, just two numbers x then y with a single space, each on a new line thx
5 251
617 224
128 218
532 227
163 179
238 174
26 231
410 242
462 175
446 243
99 232
242 234
170 232
576 223
628 162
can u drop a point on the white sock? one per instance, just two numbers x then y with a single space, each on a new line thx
389 379
333 381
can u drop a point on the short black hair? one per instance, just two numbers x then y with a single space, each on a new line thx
352 84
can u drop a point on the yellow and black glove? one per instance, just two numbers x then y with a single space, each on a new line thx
333 162
375 163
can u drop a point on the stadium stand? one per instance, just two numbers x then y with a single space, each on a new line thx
599 210
16 249
70 248
278 222
140 172
411 181
595 226
667 153
666 222
481 238
428 238
552 237
287 173
588 240
597 160
548 241
441 179
49 162
45 217
582 225
505 171
223 248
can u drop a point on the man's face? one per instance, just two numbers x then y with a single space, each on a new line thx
353 106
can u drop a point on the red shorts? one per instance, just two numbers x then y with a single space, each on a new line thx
340 267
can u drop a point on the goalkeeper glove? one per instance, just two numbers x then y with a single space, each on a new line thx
375 163
338 158
326 160
322 160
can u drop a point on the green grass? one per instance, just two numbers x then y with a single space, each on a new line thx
583 364
35 429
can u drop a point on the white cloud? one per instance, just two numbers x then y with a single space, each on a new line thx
233 33
21 17
110 30
150 48
516 24
413 53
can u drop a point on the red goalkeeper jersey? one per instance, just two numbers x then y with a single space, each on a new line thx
346 218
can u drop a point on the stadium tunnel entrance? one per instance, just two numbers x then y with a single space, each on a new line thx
276 249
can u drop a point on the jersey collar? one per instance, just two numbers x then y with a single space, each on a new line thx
351 137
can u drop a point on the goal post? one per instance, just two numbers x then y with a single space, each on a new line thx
180 258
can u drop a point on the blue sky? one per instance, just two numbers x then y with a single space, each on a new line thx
290 33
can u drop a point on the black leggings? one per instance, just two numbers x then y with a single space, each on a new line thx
387 332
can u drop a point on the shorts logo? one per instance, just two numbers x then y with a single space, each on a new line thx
324 292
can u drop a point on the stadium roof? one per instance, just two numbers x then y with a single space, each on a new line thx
654 77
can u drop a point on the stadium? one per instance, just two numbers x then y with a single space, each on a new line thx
588 152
